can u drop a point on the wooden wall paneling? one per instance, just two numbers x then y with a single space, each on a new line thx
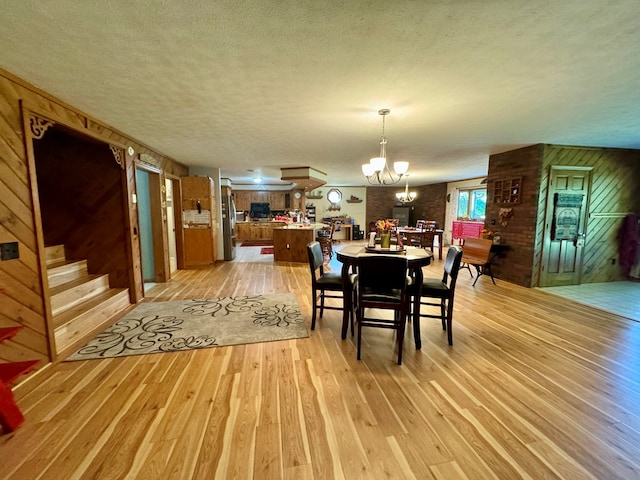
27 303
43 323
136 280
614 186
163 274
177 212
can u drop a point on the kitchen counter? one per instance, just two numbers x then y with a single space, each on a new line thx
251 231
302 226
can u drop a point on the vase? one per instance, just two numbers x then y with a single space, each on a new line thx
385 240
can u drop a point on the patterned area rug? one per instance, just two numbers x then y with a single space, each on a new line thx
158 327
266 251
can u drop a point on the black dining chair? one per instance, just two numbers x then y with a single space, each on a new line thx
440 293
382 283
325 284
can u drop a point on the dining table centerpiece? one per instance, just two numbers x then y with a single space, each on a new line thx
385 227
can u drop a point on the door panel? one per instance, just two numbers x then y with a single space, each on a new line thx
565 226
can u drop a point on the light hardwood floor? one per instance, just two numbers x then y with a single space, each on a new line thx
535 386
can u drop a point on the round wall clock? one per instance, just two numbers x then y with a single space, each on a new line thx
297 195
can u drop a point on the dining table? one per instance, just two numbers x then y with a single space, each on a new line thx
409 231
416 259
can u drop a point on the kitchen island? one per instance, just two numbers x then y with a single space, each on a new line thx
290 241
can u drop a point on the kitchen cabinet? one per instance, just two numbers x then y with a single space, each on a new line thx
242 199
199 220
277 201
260 197
251 231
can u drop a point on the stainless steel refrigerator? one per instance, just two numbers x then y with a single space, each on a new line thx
229 226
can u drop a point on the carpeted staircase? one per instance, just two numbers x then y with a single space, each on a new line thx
81 303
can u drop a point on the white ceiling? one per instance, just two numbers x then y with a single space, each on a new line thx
264 84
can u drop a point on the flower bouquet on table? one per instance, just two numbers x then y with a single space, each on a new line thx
385 227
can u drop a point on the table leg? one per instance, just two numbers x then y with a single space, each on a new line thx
440 236
346 299
418 278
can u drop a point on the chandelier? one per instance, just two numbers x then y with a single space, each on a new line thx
377 171
406 196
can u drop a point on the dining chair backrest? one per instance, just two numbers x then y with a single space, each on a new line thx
382 284
475 251
381 273
316 260
452 266
426 239
429 225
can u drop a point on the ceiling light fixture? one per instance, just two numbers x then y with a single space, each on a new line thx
377 171
406 196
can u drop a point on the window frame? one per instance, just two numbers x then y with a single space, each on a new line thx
472 200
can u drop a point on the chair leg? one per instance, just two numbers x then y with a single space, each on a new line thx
450 322
417 338
401 328
313 307
479 271
487 269
360 315
321 303
443 313
354 308
468 267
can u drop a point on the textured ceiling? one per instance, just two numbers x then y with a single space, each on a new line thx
264 84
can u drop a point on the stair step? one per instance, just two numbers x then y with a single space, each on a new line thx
82 321
71 293
54 254
66 272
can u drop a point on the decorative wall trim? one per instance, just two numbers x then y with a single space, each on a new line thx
146 158
117 154
38 125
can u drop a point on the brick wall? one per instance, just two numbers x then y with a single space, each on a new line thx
429 204
517 263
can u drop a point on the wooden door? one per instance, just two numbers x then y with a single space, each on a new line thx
565 226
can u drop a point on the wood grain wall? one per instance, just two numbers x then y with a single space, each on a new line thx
615 183
22 297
